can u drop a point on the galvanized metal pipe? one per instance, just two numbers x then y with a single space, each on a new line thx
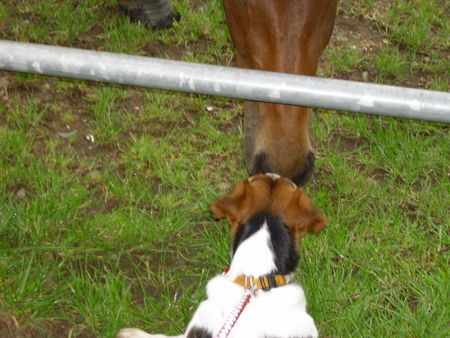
225 81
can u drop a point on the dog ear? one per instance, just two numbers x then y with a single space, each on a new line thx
302 216
230 205
245 200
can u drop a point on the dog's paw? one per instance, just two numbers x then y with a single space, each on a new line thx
133 333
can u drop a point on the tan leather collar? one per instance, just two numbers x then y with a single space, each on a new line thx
264 283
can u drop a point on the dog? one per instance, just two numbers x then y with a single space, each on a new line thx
256 297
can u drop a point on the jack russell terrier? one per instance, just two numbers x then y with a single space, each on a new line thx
256 296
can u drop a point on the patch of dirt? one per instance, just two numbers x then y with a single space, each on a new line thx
360 31
410 210
156 48
135 263
107 202
167 260
67 114
132 103
21 192
433 178
158 127
345 141
378 175
363 33
321 174
375 176
356 33
57 105
91 38
11 328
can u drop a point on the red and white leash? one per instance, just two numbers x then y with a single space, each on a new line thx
235 314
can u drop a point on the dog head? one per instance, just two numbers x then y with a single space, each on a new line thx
276 195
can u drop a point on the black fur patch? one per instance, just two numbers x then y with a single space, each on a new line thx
281 241
303 176
260 164
197 332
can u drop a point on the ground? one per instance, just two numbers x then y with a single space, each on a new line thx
105 189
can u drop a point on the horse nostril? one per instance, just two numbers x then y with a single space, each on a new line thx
303 177
259 164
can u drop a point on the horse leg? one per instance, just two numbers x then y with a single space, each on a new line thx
155 14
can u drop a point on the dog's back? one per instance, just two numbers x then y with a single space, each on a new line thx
263 245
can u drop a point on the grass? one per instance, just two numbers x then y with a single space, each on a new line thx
96 236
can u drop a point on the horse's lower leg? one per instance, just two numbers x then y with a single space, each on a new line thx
155 14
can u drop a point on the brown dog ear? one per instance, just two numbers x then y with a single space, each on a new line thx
223 207
302 216
230 206
245 200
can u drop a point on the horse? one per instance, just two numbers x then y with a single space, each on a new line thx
281 36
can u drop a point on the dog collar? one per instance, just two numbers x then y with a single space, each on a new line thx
264 283
250 285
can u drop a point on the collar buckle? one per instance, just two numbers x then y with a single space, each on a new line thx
249 284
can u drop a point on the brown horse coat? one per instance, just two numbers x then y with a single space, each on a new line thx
284 36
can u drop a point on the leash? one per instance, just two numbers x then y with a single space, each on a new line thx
235 314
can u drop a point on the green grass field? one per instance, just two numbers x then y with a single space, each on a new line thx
105 190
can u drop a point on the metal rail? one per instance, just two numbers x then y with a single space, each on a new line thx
225 81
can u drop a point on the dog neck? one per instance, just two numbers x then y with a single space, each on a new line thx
263 245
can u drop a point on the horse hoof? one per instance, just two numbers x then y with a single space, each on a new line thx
155 14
